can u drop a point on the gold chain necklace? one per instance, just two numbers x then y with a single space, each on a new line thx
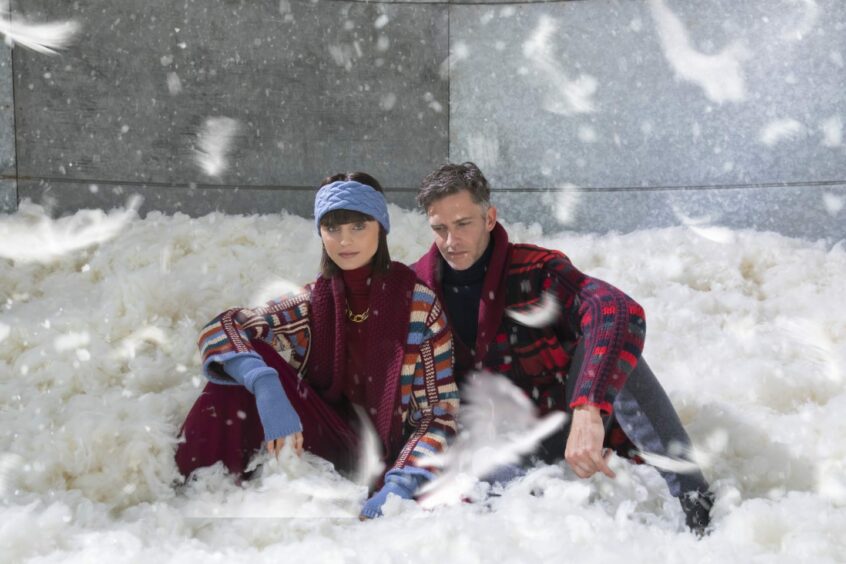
357 317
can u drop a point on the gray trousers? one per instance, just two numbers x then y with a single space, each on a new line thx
647 417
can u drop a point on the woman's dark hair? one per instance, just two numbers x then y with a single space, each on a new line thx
451 179
382 258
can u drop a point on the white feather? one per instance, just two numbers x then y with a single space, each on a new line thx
541 315
500 424
214 141
32 236
370 465
44 38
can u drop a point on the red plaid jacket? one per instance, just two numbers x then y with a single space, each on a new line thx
537 359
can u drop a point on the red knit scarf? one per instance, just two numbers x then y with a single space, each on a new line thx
390 306
492 305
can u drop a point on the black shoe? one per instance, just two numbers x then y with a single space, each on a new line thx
697 510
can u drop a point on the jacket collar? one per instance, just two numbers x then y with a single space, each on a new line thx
492 307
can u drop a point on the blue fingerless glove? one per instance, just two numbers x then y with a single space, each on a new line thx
278 416
398 483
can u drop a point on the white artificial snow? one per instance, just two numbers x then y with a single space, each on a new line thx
748 338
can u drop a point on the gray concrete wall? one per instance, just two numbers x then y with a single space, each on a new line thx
8 185
594 115
302 89
626 114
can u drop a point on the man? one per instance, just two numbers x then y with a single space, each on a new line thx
569 341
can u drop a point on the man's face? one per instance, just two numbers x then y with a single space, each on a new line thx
462 228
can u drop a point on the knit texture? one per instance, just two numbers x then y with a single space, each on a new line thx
353 196
397 482
537 359
278 417
411 396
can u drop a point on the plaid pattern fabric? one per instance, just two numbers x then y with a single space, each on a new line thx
537 359
426 401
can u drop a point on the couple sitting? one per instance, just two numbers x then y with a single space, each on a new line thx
399 342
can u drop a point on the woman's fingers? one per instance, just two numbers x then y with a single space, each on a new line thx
274 446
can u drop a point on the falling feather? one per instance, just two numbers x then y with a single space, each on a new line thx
500 424
214 142
541 315
45 38
370 466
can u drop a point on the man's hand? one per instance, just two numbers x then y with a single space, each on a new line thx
276 445
584 445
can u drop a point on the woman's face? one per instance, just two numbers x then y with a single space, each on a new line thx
351 245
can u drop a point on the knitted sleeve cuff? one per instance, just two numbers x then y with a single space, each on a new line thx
278 417
246 369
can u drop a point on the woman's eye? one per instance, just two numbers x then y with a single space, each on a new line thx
359 226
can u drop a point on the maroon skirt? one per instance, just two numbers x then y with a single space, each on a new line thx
224 425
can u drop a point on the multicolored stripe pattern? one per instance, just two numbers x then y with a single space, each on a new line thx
429 396
428 390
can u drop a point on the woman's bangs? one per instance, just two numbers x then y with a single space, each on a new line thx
335 218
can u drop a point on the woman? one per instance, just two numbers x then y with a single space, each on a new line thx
366 333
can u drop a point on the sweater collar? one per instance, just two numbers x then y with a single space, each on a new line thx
357 281
469 276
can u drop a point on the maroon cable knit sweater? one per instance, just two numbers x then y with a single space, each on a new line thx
357 289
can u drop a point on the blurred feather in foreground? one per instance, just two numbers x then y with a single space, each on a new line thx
499 425
32 236
45 38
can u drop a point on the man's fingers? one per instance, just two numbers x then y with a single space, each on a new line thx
582 472
586 465
602 465
582 465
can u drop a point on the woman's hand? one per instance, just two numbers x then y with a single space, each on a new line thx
276 445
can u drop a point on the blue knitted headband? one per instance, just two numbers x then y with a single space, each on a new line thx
353 196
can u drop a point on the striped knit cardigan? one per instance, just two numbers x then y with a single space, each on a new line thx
537 359
411 394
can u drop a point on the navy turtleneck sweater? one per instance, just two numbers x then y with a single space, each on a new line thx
462 295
